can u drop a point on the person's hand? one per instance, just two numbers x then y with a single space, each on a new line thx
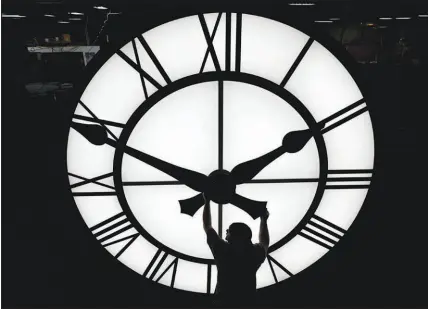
265 216
206 199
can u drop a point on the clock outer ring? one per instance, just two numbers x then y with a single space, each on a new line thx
216 76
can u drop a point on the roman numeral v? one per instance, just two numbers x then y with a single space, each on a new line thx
153 269
115 230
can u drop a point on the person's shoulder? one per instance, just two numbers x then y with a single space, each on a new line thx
212 237
259 249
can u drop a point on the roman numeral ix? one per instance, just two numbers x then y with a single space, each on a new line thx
349 179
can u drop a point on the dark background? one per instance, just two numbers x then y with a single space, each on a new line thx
50 258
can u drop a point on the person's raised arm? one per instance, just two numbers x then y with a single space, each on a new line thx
264 232
206 216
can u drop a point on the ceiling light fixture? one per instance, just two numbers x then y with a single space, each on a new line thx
49 15
12 16
100 7
423 15
302 3
403 18
63 22
75 13
385 18
323 21
334 18
74 19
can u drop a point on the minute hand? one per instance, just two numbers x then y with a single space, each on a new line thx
97 135
292 142
192 179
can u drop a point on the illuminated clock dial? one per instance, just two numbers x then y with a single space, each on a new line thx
246 108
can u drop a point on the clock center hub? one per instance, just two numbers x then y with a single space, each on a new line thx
221 186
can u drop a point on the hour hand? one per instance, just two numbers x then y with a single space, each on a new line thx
292 142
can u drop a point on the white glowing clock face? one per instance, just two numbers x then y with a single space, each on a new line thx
207 93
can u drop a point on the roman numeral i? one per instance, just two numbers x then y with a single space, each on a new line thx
144 75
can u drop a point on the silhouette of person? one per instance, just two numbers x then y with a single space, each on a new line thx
237 259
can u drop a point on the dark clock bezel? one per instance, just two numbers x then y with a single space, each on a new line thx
106 52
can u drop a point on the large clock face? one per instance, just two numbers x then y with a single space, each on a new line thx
206 93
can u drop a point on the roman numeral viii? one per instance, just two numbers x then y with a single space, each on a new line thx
322 232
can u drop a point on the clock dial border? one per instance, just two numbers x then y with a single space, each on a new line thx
105 54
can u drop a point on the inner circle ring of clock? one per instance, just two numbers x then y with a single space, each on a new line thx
314 128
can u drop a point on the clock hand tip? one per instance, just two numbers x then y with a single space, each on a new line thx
95 134
191 205
295 141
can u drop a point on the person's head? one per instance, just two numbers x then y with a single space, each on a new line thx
238 233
